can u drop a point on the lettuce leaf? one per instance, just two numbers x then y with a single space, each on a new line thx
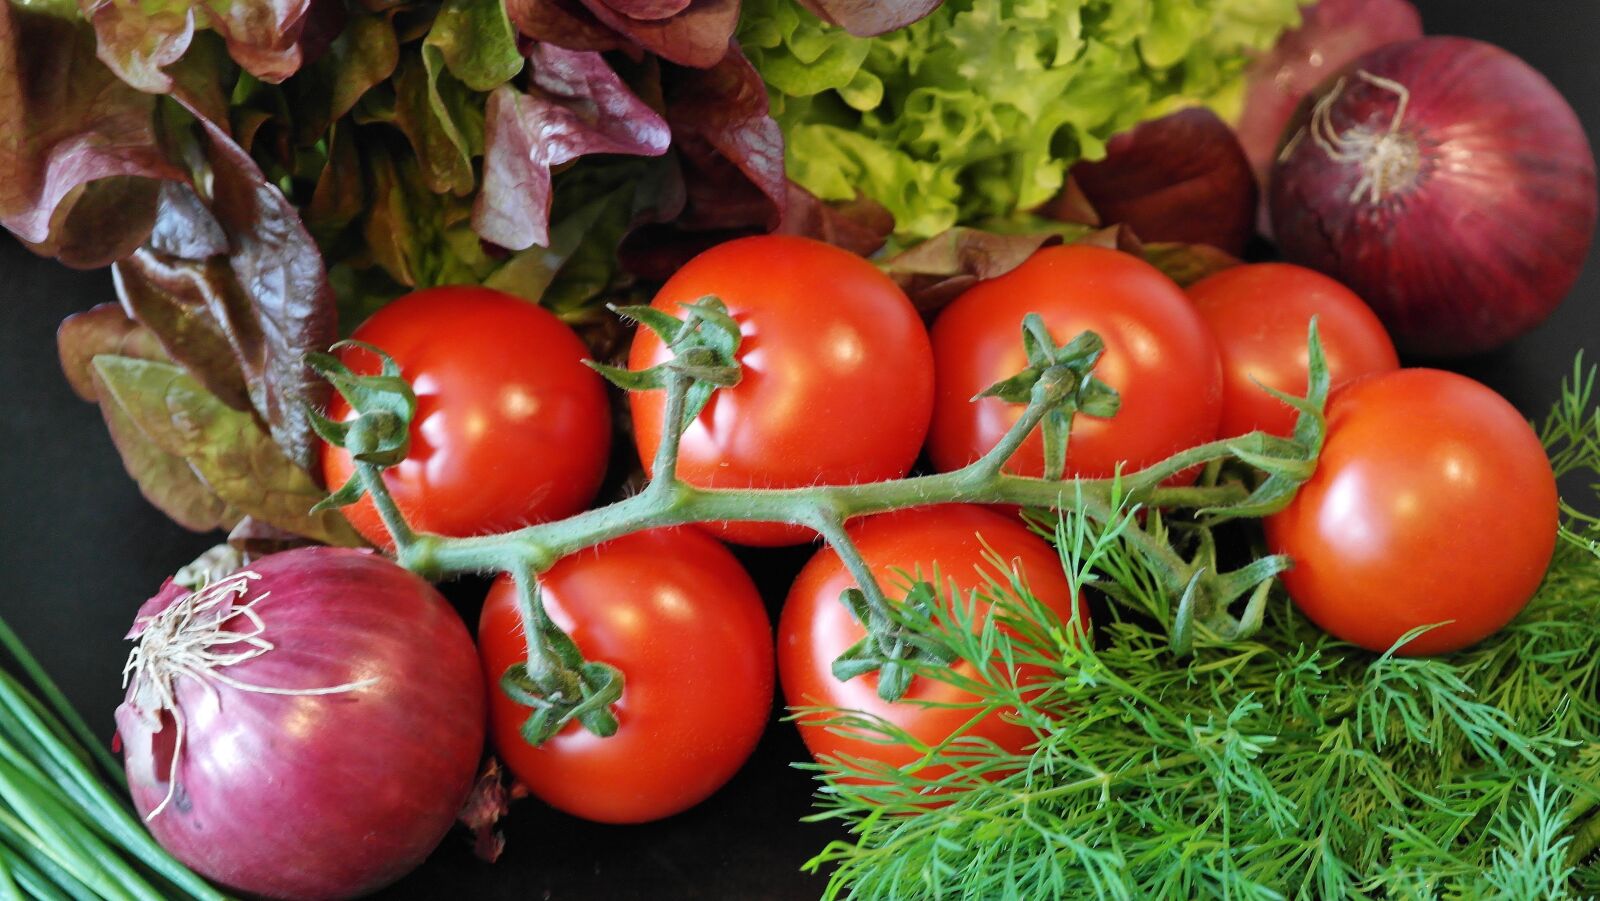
978 110
139 39
576 106
80 162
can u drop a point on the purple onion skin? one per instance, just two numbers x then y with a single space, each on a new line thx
322 796
1181 178
1482 238
1331 34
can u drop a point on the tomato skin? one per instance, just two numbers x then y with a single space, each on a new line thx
1433 500
816 628
679 616
1260 315
838 375
511 427
1159 355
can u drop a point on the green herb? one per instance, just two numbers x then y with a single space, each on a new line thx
66 830
979 109
1289 765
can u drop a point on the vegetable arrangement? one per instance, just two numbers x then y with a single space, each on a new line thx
1053 660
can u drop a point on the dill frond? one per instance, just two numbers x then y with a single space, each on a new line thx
1288 765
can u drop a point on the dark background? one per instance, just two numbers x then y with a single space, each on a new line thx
80 549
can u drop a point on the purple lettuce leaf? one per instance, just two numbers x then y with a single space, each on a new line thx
722 113
576 105
1181 178
647 9
730 153
80 164
867 18
234 287
698 36
137 44
182 303
564 23
939 269
861 226
263 35
184 226
271 39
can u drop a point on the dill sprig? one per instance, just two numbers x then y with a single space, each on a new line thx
1289 765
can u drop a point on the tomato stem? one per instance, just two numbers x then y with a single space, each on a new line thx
664 470
560 685
371 475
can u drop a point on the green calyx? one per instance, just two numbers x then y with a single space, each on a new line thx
1059 383
894 644
379 435
705 348
556 683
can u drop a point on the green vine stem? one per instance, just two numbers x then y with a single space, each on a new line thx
559 685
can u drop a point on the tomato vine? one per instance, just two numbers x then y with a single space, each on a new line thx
1057 385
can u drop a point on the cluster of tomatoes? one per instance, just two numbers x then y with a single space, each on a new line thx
1433 501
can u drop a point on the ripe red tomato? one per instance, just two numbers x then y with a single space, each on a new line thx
1159 355
816 628
679 616
1260 314
838 375
511 427
1433 502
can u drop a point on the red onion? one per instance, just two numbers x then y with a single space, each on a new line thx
307 728
1447 183
1331 34
1180 178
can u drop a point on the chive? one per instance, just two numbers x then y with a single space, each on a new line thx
8 886
63 709
37 851
125 880
58 839
114 819
30 880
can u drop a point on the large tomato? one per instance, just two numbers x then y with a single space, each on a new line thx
816 628
838 375
678 615
1159 355
511 427
1260 315
1433 502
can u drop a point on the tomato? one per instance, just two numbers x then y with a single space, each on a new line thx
816 628
838 375
511 427
1433 502
1159 356
680 617
1260 315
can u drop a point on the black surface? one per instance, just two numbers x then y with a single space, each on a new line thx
80 549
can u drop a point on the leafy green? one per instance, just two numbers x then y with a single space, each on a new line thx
1289 765
79 158
979 109
165 479
477 43
141 38
226 452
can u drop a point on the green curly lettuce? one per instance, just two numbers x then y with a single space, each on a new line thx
978 110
